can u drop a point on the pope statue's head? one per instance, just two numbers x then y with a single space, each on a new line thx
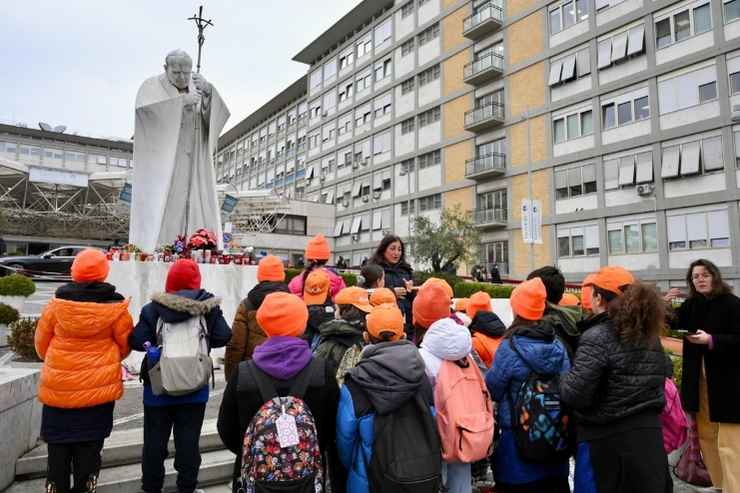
178 65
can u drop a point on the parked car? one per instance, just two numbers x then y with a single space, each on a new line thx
56 262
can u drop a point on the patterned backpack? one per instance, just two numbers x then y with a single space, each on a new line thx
267 465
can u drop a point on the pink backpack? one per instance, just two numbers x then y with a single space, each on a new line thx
673 419
464 412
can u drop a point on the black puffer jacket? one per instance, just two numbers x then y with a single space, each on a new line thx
396 277
611 381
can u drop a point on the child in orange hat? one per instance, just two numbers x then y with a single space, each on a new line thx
320 307
317 255
246 332
530 346
432 303
278 363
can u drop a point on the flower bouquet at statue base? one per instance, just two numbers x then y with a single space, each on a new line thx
202 245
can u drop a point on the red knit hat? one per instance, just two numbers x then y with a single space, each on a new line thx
184 274
431 304
318 248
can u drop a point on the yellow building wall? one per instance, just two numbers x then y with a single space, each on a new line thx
453 116
518 139
541 184
527 90
526 38
520 265
454 158
462 197
514 7
452 73
452 28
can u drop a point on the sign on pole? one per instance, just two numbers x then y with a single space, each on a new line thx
125 195
531 212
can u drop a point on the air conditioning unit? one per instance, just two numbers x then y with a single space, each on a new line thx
645 189
386 232
376 195
323 178
324 113
736 113
402 172
345 203
355 165
365 198
355 237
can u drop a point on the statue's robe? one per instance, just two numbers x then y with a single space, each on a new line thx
174 184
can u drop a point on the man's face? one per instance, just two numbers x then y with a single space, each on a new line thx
178 72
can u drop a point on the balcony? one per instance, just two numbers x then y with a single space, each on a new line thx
486 21
485 166
485 117
490 218
484 70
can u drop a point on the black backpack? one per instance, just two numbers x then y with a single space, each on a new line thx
407 456
539 423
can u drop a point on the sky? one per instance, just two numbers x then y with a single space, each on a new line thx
79 63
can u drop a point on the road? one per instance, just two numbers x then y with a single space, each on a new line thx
128 412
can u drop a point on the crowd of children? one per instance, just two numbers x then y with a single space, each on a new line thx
334 384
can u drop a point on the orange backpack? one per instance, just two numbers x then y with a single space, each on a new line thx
464 412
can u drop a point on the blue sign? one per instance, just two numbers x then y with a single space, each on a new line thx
229 203
227 237
125 195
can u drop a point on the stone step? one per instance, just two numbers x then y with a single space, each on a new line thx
122 447
216 469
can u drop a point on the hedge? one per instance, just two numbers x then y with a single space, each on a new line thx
420 277
349 278
465 289
8 314
16 285
21 338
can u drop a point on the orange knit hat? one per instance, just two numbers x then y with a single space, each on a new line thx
318 248
382 295
282 314
90 265
586 292
270 268
528 299
432 303
569 299
461 304
385 318
440 282
354 296
316 287
479 302
613 279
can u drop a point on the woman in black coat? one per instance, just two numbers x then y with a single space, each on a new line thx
399 276
711 369
615 389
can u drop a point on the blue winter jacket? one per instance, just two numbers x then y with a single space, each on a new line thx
387 376
178 307
546 356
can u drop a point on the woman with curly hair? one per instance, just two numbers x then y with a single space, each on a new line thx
615 389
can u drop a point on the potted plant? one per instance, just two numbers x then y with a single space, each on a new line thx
14 289
203 242
21 338
8 315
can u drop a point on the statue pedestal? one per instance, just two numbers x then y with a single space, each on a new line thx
140 280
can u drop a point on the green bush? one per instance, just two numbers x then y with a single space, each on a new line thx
420 277
291 273
465 289
16 285
677 370
8 314
349 278
21 338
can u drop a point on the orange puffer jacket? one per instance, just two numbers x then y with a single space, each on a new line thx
82 345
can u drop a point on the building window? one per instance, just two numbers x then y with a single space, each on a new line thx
707 92
382 69
346 60
430 116
632 237
683 25
616 115
626 171
578 241
574 182
699 230
407 47
567 14
408 166
407 86
430 202
572 126
364 82
383 32
407 9
693 158
732 10
496 254
408 126
428 34
687 90
408 207
345 92
365 46
429 75
570 68
621 47
496 200
430 159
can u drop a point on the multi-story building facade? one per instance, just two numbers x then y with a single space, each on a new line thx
617 116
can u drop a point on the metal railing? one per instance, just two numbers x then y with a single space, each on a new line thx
495 161
491 12
490 216
485 63
487 112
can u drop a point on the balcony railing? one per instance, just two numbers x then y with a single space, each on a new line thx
483 22
494 163
487 116
490 217
485 69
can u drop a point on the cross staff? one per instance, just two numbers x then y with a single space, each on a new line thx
201 24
